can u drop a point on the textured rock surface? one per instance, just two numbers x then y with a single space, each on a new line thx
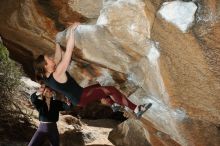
129 44
179 13
130 133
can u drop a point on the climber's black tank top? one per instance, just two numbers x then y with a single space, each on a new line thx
70 88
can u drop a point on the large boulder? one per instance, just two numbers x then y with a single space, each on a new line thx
166 53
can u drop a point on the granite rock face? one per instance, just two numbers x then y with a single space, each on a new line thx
142 47
130 133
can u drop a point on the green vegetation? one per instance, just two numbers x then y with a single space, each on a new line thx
4 54
10 74
12 118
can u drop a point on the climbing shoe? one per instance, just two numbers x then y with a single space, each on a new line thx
142 109
116 107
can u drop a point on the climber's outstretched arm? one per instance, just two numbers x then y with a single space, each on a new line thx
64 63
58 54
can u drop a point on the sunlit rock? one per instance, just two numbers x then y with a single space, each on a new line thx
125 39
130 133
189 83
29 86
131 27
146 54
97 44
87 8
179 13
207 31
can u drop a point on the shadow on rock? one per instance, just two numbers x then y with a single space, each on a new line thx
72 138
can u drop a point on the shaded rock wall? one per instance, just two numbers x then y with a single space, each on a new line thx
139 48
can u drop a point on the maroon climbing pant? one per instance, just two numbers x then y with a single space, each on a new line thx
109 93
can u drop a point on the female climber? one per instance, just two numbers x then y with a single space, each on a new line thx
48 109
54 73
